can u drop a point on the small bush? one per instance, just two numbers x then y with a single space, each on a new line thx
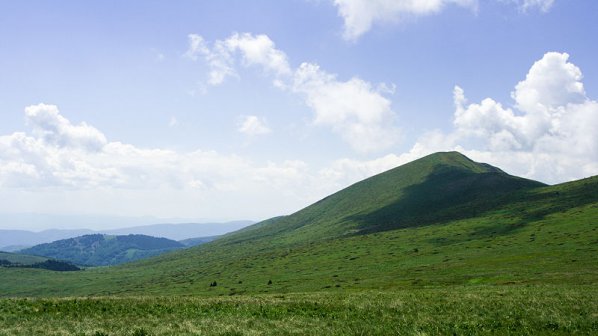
140 332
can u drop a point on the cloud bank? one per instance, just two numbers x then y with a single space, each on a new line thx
59 165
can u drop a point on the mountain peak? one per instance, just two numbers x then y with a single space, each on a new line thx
454 159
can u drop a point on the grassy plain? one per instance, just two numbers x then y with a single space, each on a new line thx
455 310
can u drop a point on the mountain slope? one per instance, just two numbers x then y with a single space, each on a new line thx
102 250
436 188
441 220
190 242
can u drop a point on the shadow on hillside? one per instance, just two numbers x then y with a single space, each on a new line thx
450 194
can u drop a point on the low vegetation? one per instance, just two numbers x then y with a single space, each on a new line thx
476 310
50 264
17 260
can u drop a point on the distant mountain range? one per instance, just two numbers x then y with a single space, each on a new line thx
15 240
104 250
182 231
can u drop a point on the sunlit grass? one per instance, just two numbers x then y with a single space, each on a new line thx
550 310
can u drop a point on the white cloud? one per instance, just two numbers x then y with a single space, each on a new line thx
359 113
550 135
552 82
173 122
354 109
259 50
197 47
253 125
360 15
543 5
254 50
218 58
53 128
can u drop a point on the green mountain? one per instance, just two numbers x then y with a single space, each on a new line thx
102 250
435 189
440 220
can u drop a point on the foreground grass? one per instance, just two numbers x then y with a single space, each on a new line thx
491 310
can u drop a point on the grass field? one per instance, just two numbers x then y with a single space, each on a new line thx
473 310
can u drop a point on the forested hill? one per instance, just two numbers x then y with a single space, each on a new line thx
102 250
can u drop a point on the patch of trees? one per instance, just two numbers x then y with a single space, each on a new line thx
52 265
102 250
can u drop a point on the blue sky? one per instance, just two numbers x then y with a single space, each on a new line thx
223 110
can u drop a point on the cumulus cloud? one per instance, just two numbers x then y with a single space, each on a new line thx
550 83
549 134
355 109
54 129
253 125
360 15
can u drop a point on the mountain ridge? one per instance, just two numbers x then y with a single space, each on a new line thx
15 240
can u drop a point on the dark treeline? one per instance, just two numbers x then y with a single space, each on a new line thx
52 265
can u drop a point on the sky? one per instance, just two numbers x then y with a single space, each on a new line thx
225 110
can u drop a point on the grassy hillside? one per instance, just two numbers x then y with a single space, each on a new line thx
102 250
22 259
440 221
435 189
17 260
190 242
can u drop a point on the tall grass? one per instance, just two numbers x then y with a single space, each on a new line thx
508 310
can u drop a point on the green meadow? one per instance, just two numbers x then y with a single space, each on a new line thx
458 310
